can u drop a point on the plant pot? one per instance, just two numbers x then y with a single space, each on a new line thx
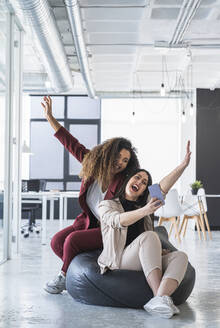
194 191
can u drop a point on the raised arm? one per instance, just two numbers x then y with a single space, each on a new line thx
110 214
70 142
167 182
47 105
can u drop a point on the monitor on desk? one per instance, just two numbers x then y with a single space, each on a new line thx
33 185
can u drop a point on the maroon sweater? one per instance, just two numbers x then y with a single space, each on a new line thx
78 151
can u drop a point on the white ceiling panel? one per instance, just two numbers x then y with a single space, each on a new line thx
112 78
112 38
151 31
202 13
112 14
111 50
108 27
116 3
113 67
165 13
112 58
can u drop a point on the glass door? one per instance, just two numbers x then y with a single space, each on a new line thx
3 45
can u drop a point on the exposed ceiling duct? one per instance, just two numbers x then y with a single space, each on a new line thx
41 18
142 95
73 11
186 15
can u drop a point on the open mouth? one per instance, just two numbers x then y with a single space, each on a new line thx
135 188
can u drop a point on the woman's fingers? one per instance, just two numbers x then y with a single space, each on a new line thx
158 206
47 99
152 200
43 105
155 204
188 146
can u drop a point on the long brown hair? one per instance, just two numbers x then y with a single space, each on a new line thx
99 162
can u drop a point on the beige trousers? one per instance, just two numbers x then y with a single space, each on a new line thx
145 254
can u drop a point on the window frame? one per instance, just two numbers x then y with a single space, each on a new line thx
67 122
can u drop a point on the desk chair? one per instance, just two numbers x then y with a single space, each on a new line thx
31 205
171 212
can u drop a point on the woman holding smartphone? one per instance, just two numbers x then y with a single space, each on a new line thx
104 169
130 242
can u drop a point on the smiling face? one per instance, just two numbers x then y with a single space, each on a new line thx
121 161
136 186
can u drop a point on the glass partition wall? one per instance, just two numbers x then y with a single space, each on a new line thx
3 20
10 130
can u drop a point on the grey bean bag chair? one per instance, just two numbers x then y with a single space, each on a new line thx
119 288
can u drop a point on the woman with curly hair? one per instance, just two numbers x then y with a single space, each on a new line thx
104 169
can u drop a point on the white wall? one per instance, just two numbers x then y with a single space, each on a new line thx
157 132
26 114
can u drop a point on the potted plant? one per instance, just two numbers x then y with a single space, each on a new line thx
195 186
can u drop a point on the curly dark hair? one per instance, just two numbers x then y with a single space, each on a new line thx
99 161
142 200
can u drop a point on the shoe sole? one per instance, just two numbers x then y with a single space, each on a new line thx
52 291
161 312
176 310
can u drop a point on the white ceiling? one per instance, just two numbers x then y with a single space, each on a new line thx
126 41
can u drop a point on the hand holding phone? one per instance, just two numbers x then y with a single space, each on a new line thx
155 192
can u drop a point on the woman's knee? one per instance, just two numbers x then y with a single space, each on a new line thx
56 242
150 236
73 238
181 256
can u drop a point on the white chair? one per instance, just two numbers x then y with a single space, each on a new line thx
204 208
171 212
195 207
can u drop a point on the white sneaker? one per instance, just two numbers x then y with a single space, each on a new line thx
161 306
57 285
170 301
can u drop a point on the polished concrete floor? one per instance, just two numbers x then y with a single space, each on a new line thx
24 304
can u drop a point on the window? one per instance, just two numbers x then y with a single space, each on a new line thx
50 161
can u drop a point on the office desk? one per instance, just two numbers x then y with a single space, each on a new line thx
44 196
40 197
64 195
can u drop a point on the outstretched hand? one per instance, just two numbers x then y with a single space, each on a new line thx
188 155
47 105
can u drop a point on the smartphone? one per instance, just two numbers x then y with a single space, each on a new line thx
155 192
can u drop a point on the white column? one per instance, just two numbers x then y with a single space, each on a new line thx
7 219
44 219
61 211
51 209
65 210
18 153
